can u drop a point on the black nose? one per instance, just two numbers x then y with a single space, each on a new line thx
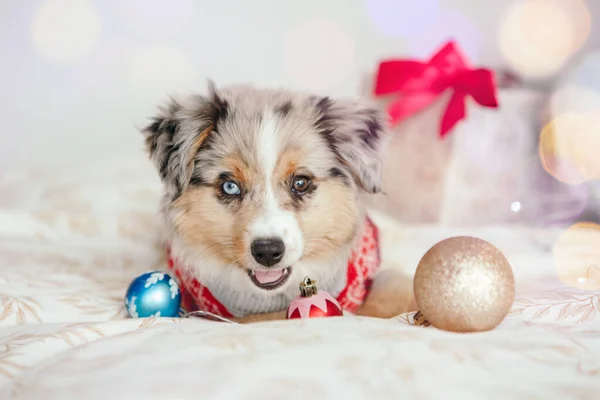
267 252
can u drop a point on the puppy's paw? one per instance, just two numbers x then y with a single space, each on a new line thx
391 294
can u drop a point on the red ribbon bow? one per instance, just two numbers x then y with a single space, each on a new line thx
421 83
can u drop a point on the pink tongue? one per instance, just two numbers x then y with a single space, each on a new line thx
268 276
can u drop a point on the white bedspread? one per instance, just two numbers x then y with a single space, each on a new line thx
72 240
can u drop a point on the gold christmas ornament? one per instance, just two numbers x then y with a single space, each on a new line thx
464 284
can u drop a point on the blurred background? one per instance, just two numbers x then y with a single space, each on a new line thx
79 76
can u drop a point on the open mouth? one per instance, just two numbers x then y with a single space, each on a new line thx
271 279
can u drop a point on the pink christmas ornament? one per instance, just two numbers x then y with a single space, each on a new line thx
312 303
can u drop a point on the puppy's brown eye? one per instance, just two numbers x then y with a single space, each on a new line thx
301 184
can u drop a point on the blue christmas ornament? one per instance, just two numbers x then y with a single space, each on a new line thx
153 294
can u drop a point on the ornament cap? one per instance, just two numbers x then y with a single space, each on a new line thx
308 287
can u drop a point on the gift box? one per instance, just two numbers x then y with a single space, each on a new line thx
464 147
415 163
494 173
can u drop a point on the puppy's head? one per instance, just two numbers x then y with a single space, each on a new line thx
266 181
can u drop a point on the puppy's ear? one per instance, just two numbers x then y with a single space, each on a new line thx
356 131
176 134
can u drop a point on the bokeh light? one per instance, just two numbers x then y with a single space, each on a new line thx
576 255
538 36
156 19
447 25
403 18
65 30
515 206
568 147
319 53
161 68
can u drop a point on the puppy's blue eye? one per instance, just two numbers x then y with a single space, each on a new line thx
231 188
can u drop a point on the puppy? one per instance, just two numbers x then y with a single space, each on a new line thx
264 187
